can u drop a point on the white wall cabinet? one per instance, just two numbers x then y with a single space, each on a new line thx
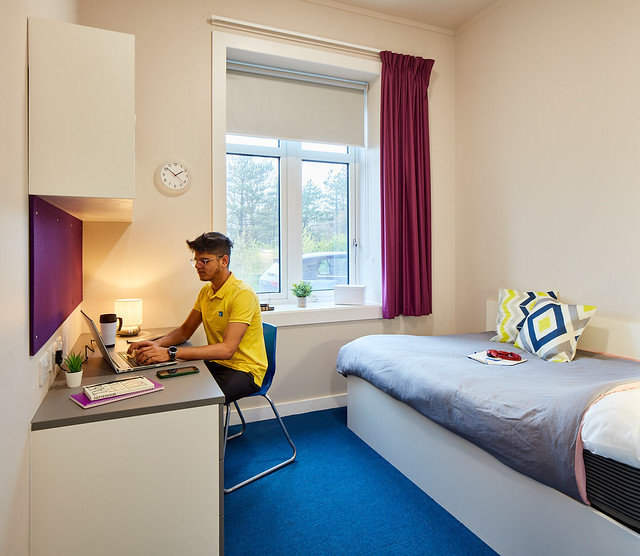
82 119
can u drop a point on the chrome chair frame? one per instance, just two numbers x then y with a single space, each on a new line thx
269 332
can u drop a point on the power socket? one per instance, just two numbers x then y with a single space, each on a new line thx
50 361
52 368
57 355
44 367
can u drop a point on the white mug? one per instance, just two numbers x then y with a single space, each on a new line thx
110 323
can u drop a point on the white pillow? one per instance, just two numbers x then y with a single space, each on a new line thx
513 308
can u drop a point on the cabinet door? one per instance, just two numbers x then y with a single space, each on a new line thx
81 111
142 485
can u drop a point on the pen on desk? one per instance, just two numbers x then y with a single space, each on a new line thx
117 380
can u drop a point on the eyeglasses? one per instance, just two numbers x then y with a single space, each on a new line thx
204 261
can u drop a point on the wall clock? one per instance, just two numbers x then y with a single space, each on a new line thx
173 176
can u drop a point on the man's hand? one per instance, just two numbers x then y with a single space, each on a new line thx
147 352
137 345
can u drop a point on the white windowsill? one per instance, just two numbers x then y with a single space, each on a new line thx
319 312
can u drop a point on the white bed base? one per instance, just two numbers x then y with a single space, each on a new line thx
510 512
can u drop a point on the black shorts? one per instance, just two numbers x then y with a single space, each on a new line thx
233 383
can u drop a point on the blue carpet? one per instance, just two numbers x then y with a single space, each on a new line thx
338 497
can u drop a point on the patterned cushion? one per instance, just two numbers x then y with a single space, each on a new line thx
513 308
552 329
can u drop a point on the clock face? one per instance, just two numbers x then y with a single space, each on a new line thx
173 176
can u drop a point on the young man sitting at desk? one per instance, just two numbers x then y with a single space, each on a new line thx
230 312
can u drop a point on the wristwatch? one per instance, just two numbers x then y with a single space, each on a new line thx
173 351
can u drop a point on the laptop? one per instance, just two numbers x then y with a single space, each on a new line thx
119 363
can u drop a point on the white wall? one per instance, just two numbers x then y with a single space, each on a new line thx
20 394
547 165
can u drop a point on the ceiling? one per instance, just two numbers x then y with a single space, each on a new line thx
449 14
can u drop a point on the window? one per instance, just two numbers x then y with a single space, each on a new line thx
288 213
323 97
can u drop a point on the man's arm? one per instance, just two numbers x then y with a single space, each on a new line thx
155 352
183 332
223 350
173 338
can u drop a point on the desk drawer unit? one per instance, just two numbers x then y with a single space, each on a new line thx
146 484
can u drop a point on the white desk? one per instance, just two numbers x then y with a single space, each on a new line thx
137 476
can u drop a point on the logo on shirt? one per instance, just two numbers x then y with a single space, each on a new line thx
219 313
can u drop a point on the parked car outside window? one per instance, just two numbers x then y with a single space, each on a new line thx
322 270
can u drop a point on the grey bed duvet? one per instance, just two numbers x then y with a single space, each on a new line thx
527 415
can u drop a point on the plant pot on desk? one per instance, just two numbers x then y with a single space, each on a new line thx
73 379
72 367
302 301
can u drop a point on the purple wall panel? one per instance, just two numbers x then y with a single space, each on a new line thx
55 269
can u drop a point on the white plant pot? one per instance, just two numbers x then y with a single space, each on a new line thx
73 379
302 301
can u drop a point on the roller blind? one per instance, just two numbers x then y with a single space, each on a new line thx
295 108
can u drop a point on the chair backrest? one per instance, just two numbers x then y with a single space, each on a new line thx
269 333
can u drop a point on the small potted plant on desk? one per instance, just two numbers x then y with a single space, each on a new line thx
73 369
302 290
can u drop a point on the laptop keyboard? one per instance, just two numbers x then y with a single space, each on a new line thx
131 361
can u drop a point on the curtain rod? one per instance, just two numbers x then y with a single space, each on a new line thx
273 32
260 69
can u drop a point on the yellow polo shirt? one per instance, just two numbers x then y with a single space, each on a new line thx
235 301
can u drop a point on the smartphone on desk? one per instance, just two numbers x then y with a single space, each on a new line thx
181 371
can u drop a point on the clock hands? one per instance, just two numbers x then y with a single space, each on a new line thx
174 174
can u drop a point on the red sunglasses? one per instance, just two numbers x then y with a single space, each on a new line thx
508 355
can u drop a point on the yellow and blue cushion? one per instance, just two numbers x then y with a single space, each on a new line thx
513 308
552 329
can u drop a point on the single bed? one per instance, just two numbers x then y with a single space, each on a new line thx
510 467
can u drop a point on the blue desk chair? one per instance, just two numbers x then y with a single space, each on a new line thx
269 332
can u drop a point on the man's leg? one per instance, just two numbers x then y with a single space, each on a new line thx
234 384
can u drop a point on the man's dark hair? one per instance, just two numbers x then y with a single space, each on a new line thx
211 242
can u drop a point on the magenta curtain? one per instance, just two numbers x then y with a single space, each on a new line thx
406 186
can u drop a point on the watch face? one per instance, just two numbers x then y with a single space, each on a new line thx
174 176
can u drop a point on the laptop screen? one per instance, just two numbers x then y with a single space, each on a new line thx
95 334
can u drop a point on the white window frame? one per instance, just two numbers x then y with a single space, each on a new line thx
291 156
366 196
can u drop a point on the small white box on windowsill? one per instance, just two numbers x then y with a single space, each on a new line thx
348 294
